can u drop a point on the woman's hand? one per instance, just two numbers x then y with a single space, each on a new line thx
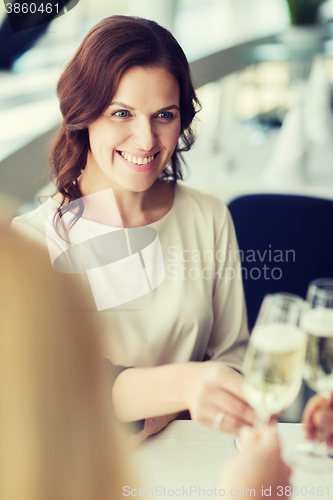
259 465
210 390
318 416
213 388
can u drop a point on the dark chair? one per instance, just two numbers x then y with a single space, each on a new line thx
286 241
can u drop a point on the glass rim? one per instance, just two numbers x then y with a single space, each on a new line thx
292 297
322 287
321 282
279 307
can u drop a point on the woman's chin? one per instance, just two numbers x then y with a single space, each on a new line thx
138 185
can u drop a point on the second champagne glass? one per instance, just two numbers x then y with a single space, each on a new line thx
317 322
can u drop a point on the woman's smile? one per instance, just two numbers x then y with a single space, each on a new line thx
138 163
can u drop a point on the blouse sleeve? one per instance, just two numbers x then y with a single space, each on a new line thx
114 371
229 335
29 231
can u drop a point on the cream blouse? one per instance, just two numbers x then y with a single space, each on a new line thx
198 310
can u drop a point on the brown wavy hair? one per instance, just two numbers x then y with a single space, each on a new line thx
89 82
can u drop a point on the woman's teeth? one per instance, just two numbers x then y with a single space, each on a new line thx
136 159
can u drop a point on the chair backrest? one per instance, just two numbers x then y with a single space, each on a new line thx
286 241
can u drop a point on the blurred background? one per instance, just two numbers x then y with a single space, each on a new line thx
263 70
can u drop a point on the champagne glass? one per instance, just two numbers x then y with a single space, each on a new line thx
317 322
273 363
274 360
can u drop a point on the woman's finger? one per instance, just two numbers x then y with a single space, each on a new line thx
247 436
223 384
323 419
210 405
235 407
229 423
312 405
229 380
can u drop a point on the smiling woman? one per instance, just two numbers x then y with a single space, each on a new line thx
128 103
116 62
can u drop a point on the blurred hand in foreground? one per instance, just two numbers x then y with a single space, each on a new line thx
318 416
258 466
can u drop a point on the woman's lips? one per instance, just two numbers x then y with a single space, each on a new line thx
139 168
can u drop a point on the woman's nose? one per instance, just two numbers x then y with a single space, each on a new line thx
144 135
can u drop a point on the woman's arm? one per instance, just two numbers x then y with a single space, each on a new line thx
203 388
151 392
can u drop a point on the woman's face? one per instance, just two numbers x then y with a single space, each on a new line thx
134 139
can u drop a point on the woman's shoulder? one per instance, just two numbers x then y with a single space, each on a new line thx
33 223
197 200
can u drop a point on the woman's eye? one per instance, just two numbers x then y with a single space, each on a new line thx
166 115
122 113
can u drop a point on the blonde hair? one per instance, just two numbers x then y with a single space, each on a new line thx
57 437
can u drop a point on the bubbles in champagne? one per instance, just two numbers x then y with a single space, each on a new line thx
273 367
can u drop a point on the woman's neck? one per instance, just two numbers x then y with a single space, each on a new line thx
141 209
135 208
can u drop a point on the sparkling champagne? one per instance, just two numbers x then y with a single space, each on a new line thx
273 367
318 370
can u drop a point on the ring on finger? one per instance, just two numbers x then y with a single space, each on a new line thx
218 420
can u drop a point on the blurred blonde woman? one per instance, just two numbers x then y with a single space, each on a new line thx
57 440
57 435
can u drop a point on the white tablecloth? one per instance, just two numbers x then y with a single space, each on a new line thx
186 456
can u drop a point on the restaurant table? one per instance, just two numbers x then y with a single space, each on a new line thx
185 460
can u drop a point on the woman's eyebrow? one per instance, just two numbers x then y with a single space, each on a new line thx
173 106
118 103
